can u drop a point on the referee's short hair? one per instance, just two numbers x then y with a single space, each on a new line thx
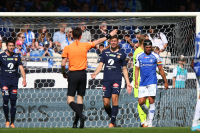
77 32
10 41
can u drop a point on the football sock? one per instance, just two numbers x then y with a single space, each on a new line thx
76 109
114 114
5 109
196 114
151 113
147 103
144 108
108 110
77 117
13 110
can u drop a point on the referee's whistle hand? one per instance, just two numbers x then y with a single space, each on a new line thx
93 75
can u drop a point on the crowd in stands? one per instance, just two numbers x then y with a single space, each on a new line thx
99 5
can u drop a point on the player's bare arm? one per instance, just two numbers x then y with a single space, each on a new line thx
64 61
137 69
173 83
100 40
99 68
23 75
125 72
162 73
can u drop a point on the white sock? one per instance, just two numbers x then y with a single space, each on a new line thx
151 113
145 108
196 114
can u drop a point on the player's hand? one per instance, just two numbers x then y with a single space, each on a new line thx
129 88
24 83
65 75
136 85
93 75
166 86
114 32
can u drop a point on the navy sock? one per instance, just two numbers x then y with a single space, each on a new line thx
77 117
5 109
114 114
76 109
13 110
108 110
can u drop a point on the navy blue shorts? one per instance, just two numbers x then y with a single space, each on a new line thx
111 87
9 90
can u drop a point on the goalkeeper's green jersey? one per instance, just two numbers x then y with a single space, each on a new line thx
137 51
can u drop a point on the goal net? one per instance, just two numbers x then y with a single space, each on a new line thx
43 103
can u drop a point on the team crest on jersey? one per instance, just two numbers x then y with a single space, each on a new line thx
14 91
16 59
118 56
5 88
104 88
115 85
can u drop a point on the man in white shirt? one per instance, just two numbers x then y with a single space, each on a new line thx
86 35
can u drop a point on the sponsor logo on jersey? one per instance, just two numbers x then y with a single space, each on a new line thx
10 65
112 55
104 88
107 52
151 60
14 91
9 58
4 56
5 88
146 57
111 61
118 56
119 53
15 55
115 85
16 59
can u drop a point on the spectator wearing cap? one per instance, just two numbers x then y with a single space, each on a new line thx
158 38
179 73
120 6
69 38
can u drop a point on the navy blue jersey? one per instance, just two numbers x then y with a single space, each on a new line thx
113 64
9 67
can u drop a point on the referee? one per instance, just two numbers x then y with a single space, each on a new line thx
77 55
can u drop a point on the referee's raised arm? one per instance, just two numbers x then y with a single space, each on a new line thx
76 53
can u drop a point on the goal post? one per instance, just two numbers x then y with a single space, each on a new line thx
43 102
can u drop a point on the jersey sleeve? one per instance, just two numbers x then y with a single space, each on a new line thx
19 60
65 52
90 45
137 64
174 72
124 61
103 57
159 61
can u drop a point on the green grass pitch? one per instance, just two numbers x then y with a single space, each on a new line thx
99 130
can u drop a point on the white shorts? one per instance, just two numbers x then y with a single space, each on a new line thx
145 91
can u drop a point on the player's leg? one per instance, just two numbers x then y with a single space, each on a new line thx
106 97
195 126
80 105
142 94
152 93
5 94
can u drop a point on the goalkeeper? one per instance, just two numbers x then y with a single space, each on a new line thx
140 49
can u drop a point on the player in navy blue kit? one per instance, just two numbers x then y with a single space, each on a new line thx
147 62
114 60
9 62
196 66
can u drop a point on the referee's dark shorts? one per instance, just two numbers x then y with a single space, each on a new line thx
77 82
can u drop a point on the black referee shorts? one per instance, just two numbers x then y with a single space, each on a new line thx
76 83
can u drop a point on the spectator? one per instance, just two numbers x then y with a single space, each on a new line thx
79 3
10 6
69 38
120 6
85 7
126 45
18 45
127 9
192 7
37 7
29 42
86 35
181 8
2 6
59 37
111 5
102 8
158 38
134 5
63 7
